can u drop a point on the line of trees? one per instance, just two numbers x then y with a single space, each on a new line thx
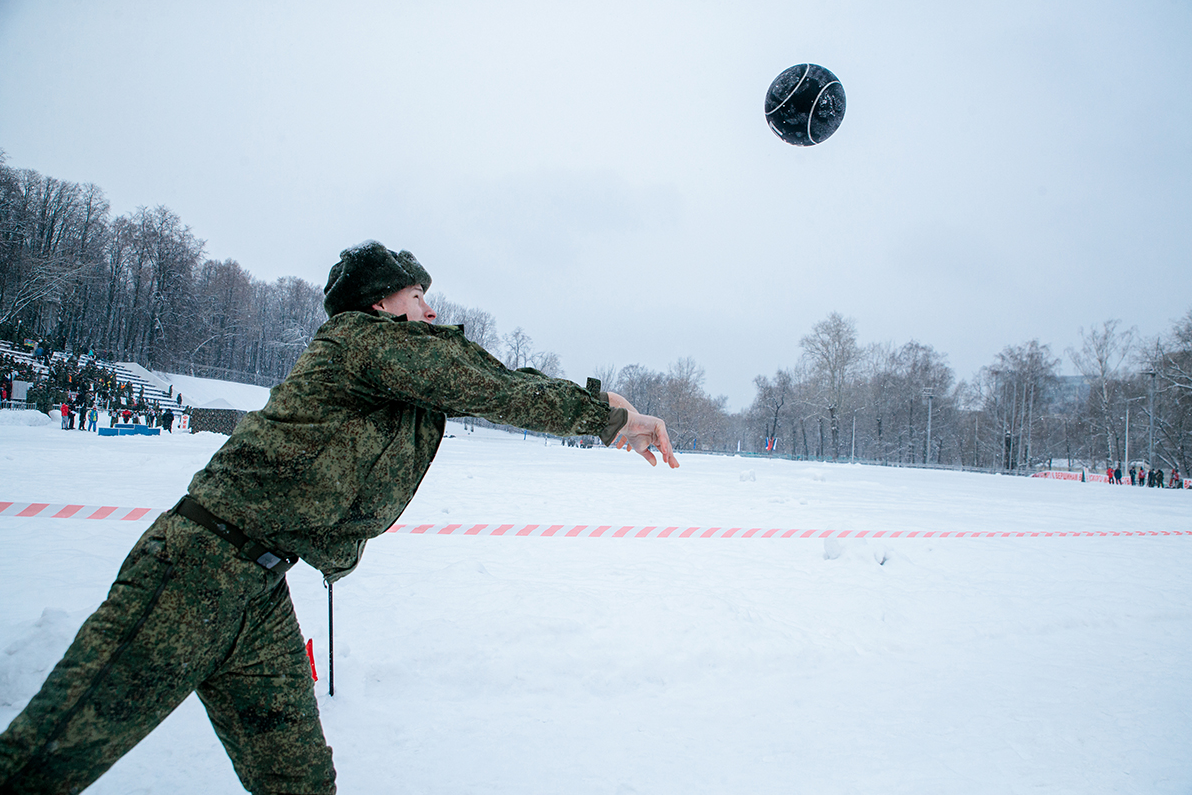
843 401
904 405
138 288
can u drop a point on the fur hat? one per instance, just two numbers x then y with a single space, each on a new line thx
366 273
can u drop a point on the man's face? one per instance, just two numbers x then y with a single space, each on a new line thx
409 301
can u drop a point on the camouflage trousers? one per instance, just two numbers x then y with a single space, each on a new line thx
185 614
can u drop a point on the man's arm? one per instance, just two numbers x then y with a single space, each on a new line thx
435 366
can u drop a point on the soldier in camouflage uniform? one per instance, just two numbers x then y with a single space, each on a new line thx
201 602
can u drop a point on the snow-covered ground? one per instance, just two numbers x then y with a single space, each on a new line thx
204 392
618 666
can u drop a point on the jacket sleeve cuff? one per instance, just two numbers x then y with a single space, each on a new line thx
616 421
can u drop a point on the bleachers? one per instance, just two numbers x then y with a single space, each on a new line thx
22 355
125 372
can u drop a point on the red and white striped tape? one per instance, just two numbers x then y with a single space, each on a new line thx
45 510
658 531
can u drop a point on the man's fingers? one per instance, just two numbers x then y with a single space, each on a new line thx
663 444
640 432
668 455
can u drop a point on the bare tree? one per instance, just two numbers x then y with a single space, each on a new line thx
479 326
606 374
43 280
449 313
694 419
1173 359
1102 352
879 368
1170 359
832 348
770 404
518 349
547 363
1018 389
642 387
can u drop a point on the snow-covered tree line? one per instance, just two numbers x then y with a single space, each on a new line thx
137 287
515 349
903 405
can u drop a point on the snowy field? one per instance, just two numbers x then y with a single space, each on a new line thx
621 666
205 392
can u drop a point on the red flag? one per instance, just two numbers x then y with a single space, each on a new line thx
310 653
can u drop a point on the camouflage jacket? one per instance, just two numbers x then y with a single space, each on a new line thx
340 448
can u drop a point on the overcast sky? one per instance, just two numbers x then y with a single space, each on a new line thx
602 175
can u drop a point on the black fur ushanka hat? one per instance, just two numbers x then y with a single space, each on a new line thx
366 273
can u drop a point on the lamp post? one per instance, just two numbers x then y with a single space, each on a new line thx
853 452
927 453
1126 463
1150 454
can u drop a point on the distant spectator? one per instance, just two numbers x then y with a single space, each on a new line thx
64 409
1133 476
1109 474
1117 475
167 420
92 418
1159 478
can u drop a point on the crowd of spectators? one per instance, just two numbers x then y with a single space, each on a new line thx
79 387
1154 477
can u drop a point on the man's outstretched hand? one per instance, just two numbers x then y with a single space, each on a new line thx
641 431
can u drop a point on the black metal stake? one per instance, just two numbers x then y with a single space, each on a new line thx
330 643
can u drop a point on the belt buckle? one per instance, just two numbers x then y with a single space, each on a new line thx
268 560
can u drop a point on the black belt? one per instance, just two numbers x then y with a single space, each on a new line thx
248 549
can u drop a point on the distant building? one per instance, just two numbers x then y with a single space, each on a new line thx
1071 390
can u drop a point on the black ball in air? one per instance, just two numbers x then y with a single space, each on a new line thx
805 104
